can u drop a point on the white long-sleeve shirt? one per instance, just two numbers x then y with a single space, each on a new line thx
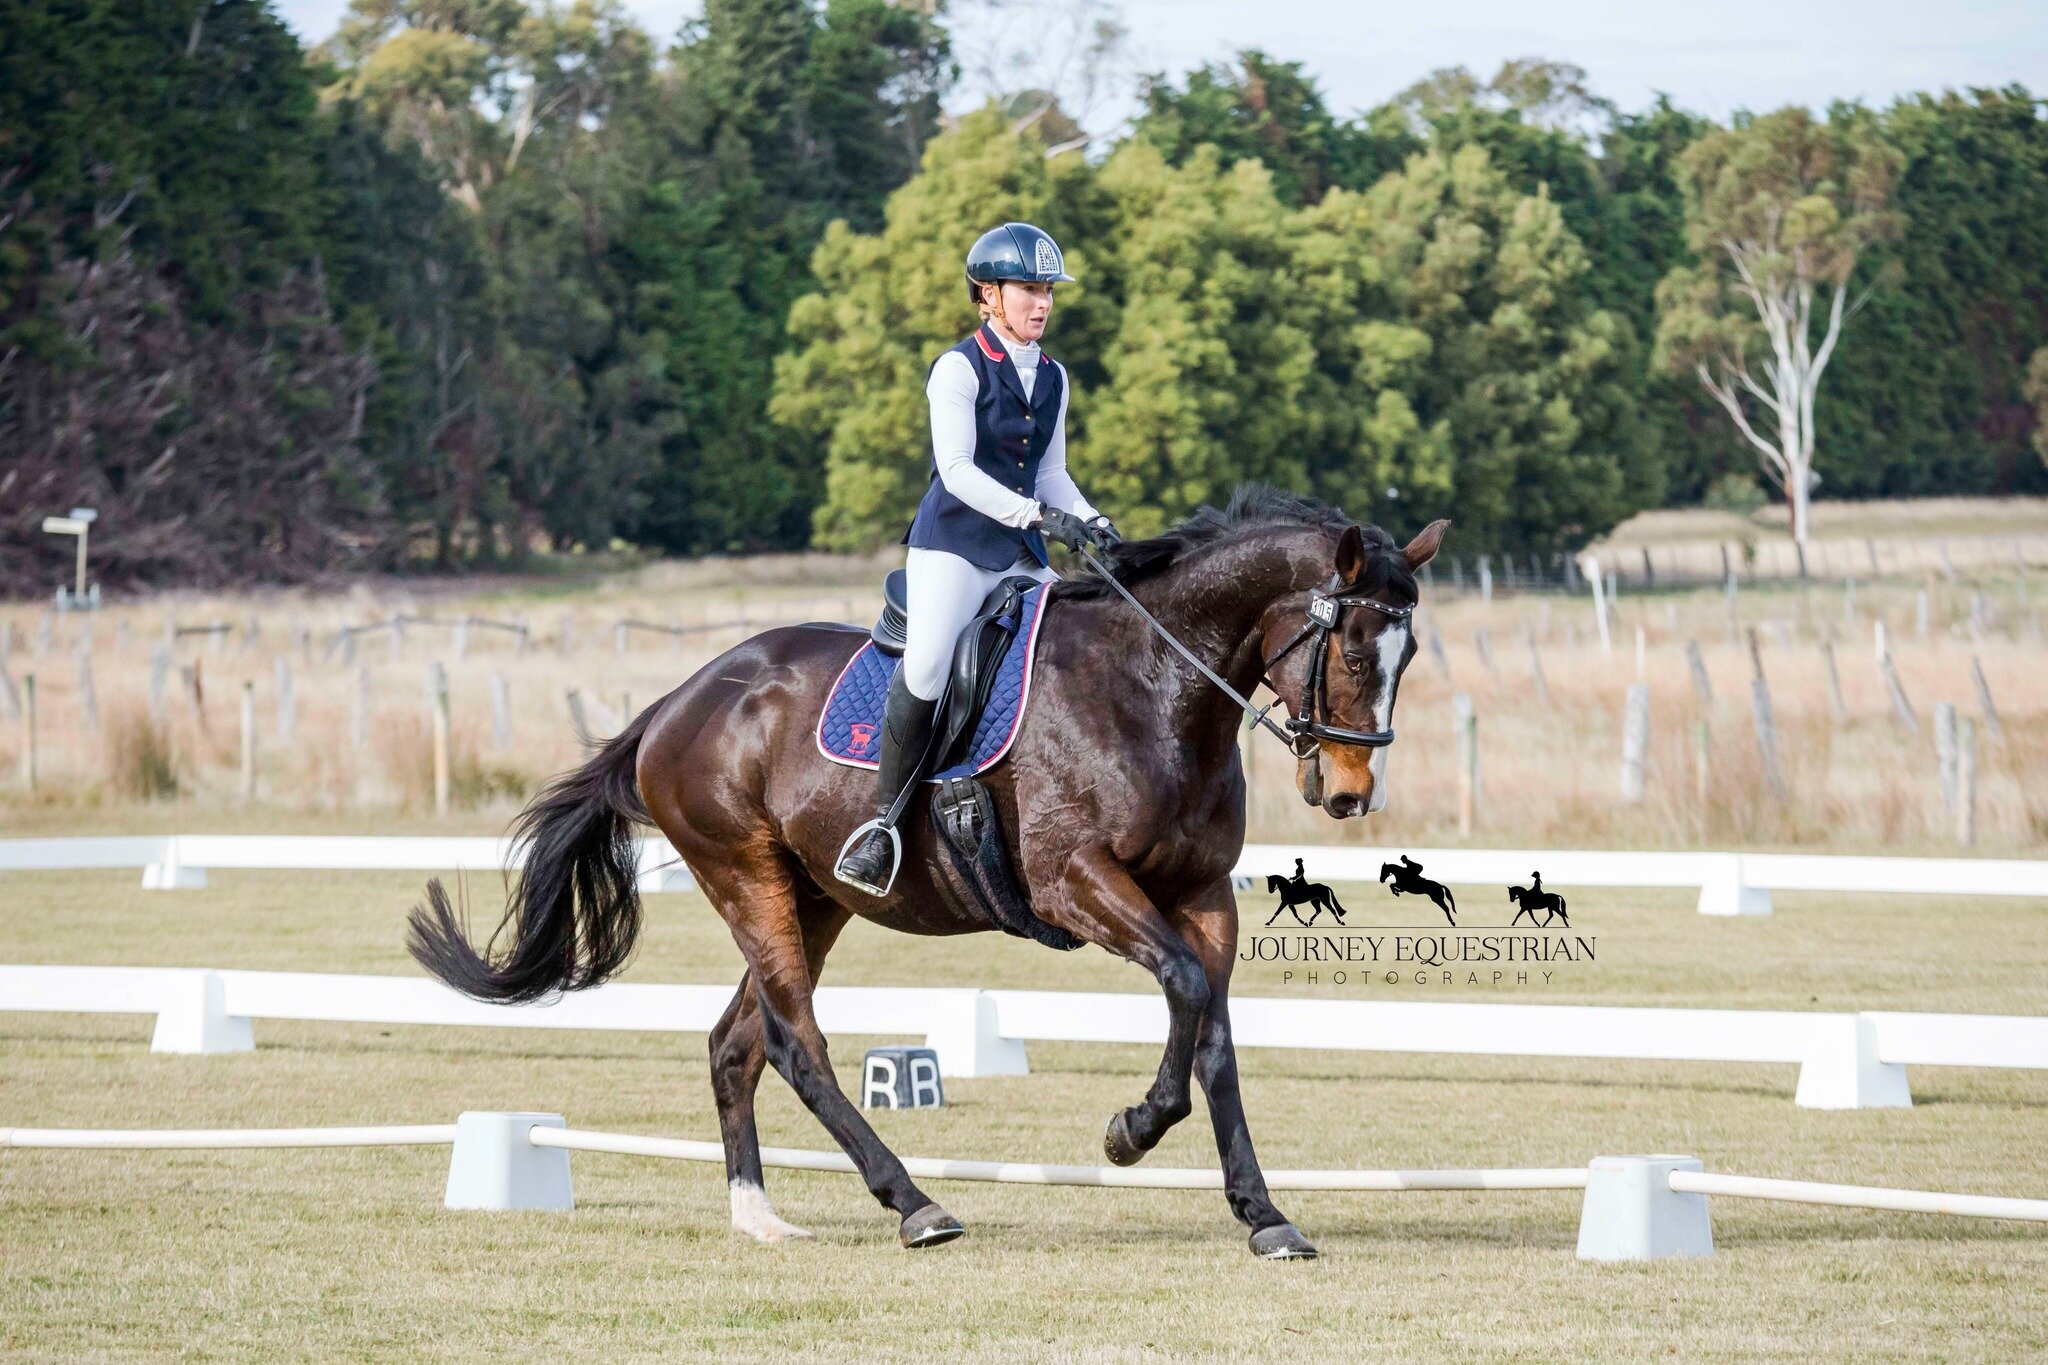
952 390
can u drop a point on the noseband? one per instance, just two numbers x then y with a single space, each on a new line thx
1305 734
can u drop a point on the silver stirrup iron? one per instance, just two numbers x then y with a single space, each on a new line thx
895 856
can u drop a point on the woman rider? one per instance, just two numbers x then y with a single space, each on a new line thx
999 487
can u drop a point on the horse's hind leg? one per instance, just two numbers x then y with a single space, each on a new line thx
755 892
1208 925
738 1055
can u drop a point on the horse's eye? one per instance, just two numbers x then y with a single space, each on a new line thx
1354 662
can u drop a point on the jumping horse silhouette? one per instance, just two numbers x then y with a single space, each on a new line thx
1532 901
1305 893
1411 882
1122 799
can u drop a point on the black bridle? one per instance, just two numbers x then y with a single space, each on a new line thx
1303 734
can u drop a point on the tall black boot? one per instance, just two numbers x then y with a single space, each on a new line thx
870 857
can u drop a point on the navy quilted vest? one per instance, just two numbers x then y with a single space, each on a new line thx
1010 437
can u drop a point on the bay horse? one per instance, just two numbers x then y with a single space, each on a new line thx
1122 799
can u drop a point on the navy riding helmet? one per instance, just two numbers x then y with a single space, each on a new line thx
1015 251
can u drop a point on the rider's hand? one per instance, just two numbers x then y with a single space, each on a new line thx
1103 532
1066 528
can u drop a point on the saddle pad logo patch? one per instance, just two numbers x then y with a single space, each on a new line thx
860 737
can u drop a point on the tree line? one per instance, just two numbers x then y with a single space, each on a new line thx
480 278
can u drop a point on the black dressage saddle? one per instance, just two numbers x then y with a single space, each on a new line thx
977 657
974 865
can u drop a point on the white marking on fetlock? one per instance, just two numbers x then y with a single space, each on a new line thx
753 1215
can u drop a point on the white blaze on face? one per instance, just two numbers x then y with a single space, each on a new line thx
1393 645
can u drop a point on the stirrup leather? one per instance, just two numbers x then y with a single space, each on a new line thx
895 855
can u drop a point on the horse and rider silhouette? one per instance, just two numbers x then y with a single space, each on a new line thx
1408 880
1297 891
1533 898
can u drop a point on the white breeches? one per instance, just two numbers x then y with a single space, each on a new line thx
942 593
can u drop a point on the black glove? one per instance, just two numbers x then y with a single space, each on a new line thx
1066 528
1104 532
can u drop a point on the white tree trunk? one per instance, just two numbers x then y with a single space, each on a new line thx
1784 309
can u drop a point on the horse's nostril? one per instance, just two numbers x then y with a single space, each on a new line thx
1343 805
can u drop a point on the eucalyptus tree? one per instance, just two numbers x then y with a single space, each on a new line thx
1780 211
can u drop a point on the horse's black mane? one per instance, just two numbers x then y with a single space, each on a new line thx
1252 507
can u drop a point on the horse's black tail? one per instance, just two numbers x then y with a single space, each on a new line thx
575 913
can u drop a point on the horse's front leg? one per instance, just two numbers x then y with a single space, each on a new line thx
1114 913
1208 924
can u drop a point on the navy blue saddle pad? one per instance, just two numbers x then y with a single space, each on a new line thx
850 729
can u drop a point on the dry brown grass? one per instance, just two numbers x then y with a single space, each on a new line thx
1550 770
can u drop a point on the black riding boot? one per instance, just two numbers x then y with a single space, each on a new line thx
869 858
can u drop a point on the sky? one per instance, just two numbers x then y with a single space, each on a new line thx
1710 58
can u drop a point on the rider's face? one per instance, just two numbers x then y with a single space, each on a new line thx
1025 308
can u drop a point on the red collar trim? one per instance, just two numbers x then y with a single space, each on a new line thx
988 347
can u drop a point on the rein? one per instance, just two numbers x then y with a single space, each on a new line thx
1303 734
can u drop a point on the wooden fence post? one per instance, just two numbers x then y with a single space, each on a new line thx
1991 721
287 703
1837 708
1635 741
501 712
1482 643
248 740
1945 751
1436 649
159 681
28 731
1465 725
1702 757
88 697
1766 735
1702 685
1902 710
1593 576
359 720
1920 613
437 683
1485 580
1536 665
1966 782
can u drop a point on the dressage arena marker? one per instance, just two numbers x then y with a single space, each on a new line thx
1636 1208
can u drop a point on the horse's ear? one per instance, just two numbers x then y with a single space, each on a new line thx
1427 542
1351 555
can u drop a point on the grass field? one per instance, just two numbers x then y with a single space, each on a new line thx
255 1255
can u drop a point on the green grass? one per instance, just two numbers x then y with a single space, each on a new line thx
262 1255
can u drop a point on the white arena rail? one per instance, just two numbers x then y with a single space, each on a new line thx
1845 1061
1728 883
1634 1208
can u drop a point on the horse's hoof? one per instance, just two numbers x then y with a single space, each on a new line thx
930 1226
1282 1242
1117 1144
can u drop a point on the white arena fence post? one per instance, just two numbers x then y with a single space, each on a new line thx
192 1016
1724 891
1842 1069
169 873
495 1164
964 1033
1631 1213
